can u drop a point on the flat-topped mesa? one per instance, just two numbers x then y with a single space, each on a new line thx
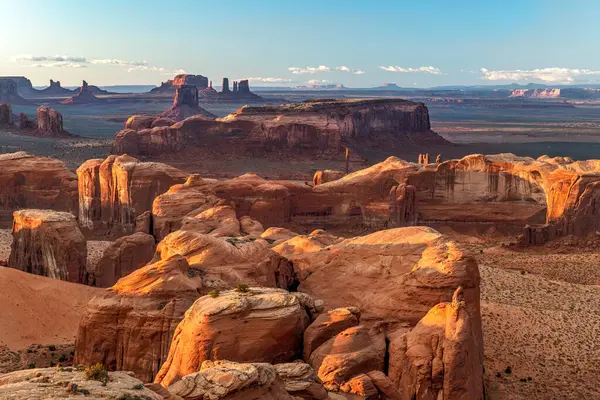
314 125
9 92
201 82
113 192
83 96
28 181
48 243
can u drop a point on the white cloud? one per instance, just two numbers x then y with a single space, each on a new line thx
429 70
550 75
112 61
347 69
318 82
39 59
268 80
59 65
309 70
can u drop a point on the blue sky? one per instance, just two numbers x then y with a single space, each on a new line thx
288 43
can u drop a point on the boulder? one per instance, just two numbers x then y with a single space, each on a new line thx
231 381
130 326
138 122
48 243
121 258
113 192
300 380
352 352
328 325
248 324
440 357
71 383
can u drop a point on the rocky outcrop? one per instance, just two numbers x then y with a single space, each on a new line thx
49 123
6 115
48 243
536 93
130 326
113 192
121 258
300 380
55 89
308 126
185 104
83 96
241 92
28 181
247 325
229 380
440 357
327 175
199 81
9 92
328 325
57 383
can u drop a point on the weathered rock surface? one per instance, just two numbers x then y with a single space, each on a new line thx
9 92
50 123
260 325
229 380
300 380
327 175
440 357
311 125
48 243
113 192
121 258
69 383
130 326
28 181
55 89
199 81
328 325
6 115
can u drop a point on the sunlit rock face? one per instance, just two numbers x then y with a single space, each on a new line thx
113 192
48 243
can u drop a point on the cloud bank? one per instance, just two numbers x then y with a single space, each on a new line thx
429 69
268 80
550 75
309 70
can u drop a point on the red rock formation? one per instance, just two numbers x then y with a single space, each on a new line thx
124 256
440 358
48 243
113 192
28 181
185 104
55 89
300 380
84 96
49 123
6 116
262 325
9 92
328 175
199 81
310 125
130 326
328 325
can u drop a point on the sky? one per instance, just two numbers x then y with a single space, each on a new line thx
289 43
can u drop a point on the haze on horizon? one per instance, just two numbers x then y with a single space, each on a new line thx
355 43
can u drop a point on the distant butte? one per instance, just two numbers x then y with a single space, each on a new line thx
83 96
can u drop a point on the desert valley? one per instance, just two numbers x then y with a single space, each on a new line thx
281 238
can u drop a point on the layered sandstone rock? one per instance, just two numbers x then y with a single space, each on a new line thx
28 181
113 192
250 325
327 175
226 262
48 243
230 380
70 383
310 125
121 258
130 326
199 81
49 123
440 357
300 380
328 325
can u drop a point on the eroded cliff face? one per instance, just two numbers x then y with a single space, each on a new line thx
536 93
311 125
113 192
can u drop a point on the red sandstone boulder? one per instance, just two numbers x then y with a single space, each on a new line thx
300 380
121 258
113 192
131 325
328 325
257 325
137 122
48 243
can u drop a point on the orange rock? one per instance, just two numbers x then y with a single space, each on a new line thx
260 325
124 256
328 325
48 243
130 326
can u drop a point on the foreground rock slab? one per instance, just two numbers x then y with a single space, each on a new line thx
48 243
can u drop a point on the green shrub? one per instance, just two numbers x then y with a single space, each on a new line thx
242 288
62 358
52 347
214 293
31 366
96 373
139 386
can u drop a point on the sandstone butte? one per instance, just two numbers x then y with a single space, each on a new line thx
312 124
